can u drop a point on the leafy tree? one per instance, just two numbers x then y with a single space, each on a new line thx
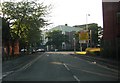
56 38
94 34
25 18
96 31
100 35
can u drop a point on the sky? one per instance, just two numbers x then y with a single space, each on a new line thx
73 12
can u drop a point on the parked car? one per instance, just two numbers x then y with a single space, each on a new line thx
33 50
40 50
23 50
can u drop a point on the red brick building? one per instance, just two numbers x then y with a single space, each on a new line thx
16 48
111 27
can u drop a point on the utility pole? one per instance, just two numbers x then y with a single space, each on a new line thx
87 27
74 45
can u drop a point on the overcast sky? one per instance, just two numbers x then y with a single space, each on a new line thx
73 12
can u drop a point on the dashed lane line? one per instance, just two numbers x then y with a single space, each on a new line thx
66 66
74 76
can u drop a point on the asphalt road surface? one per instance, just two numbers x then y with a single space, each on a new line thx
54 66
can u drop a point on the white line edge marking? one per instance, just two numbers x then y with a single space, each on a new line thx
99 74
29 64
76 78
1 78
7 73
24 67
47 55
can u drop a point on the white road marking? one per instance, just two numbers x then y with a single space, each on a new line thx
103 66
99 74
108 68
76 78
29 64
66 67
23 68
7 73
0 77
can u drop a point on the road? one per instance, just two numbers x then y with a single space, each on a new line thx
57 66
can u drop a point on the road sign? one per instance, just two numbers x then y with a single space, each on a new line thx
83 36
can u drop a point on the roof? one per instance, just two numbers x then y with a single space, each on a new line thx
64 28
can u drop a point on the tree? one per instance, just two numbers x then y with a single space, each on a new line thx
94 33
100 36
25 18
56 38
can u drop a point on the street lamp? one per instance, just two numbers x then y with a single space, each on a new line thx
74 44
87 26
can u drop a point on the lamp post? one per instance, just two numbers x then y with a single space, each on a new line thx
74 44
87 27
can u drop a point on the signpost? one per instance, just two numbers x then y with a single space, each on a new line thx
83 38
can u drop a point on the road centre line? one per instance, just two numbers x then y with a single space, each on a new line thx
76 78
96 72
66 67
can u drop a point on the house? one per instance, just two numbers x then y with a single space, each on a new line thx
67 30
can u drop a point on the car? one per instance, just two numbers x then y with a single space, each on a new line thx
23 50
33 50
40 50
